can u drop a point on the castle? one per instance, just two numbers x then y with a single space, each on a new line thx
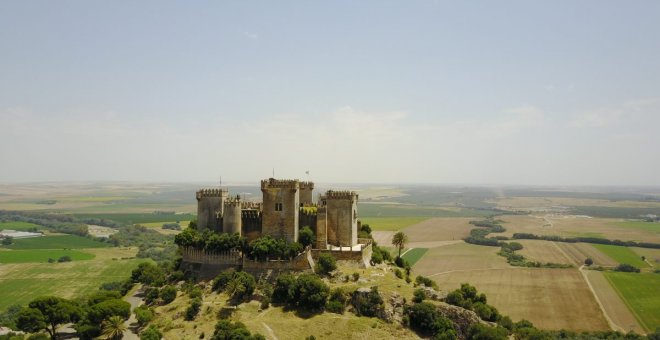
287 206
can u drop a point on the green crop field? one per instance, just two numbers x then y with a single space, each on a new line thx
57 242
17 225
22 282
641 293
41 255
621 254
391 223
414 255
136 218
640 225
409 210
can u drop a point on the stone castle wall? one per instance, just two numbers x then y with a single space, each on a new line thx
280 209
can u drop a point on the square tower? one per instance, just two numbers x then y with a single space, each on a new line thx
210 204
341 215
280 208
306 190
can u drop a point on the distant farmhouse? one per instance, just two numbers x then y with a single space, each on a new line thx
286 207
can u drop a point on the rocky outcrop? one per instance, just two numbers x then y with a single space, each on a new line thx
432 294
461 317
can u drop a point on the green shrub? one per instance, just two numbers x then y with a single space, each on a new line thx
325 264
193 309
220 281
398 273
306 236
356 276
425 319
151 333
421 280
143 314
167 294
418 295
337 301
241 286
368 305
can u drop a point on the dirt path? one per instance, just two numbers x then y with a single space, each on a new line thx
135 300
616 313
270 332
473 270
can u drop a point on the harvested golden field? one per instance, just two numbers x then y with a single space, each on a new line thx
439 229
618 313
550 298
575 226
549 202
652 255
457 258
544 251
578 252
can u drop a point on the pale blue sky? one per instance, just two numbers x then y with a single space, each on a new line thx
499 92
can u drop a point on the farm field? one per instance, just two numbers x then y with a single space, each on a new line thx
572 226
544 251
640 225
138 218
56 242
41 255
19 226
414 255
459 257
620 315
22 282
641 292
621 255
439 229
652 255
391 223
547 297
578 252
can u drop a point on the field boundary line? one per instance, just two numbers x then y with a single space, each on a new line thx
473 270
637 317
407 250
610 322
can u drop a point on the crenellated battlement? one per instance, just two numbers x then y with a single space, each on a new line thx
212 192
250 205
280 183
234 201
307 185
346 195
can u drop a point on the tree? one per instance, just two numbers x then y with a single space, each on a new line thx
325 264
306 236
241 286
399 240
7 241
113 328
65 258
47 313
310 292
425 318
588 261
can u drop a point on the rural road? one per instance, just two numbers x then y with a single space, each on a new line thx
613 326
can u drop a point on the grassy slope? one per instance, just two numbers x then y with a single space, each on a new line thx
641 293
41 255
391 223
20 283
57 242
621 254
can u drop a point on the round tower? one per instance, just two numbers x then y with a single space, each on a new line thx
209 208
231 219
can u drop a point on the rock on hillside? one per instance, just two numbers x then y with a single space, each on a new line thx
461 317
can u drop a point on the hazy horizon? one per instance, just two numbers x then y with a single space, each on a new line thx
472 93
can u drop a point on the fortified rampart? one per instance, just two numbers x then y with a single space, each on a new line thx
207 265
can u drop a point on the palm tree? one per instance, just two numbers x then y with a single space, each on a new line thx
113 328
399 240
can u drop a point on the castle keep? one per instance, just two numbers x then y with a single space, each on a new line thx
286 207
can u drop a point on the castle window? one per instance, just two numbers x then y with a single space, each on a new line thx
278 206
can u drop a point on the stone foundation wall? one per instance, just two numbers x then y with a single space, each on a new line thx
362 256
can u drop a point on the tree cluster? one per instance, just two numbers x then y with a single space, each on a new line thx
468 298
307 291
595 240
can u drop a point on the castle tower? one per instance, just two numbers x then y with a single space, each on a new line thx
209 208
280 208
321 227
306 189
341 215
231 215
